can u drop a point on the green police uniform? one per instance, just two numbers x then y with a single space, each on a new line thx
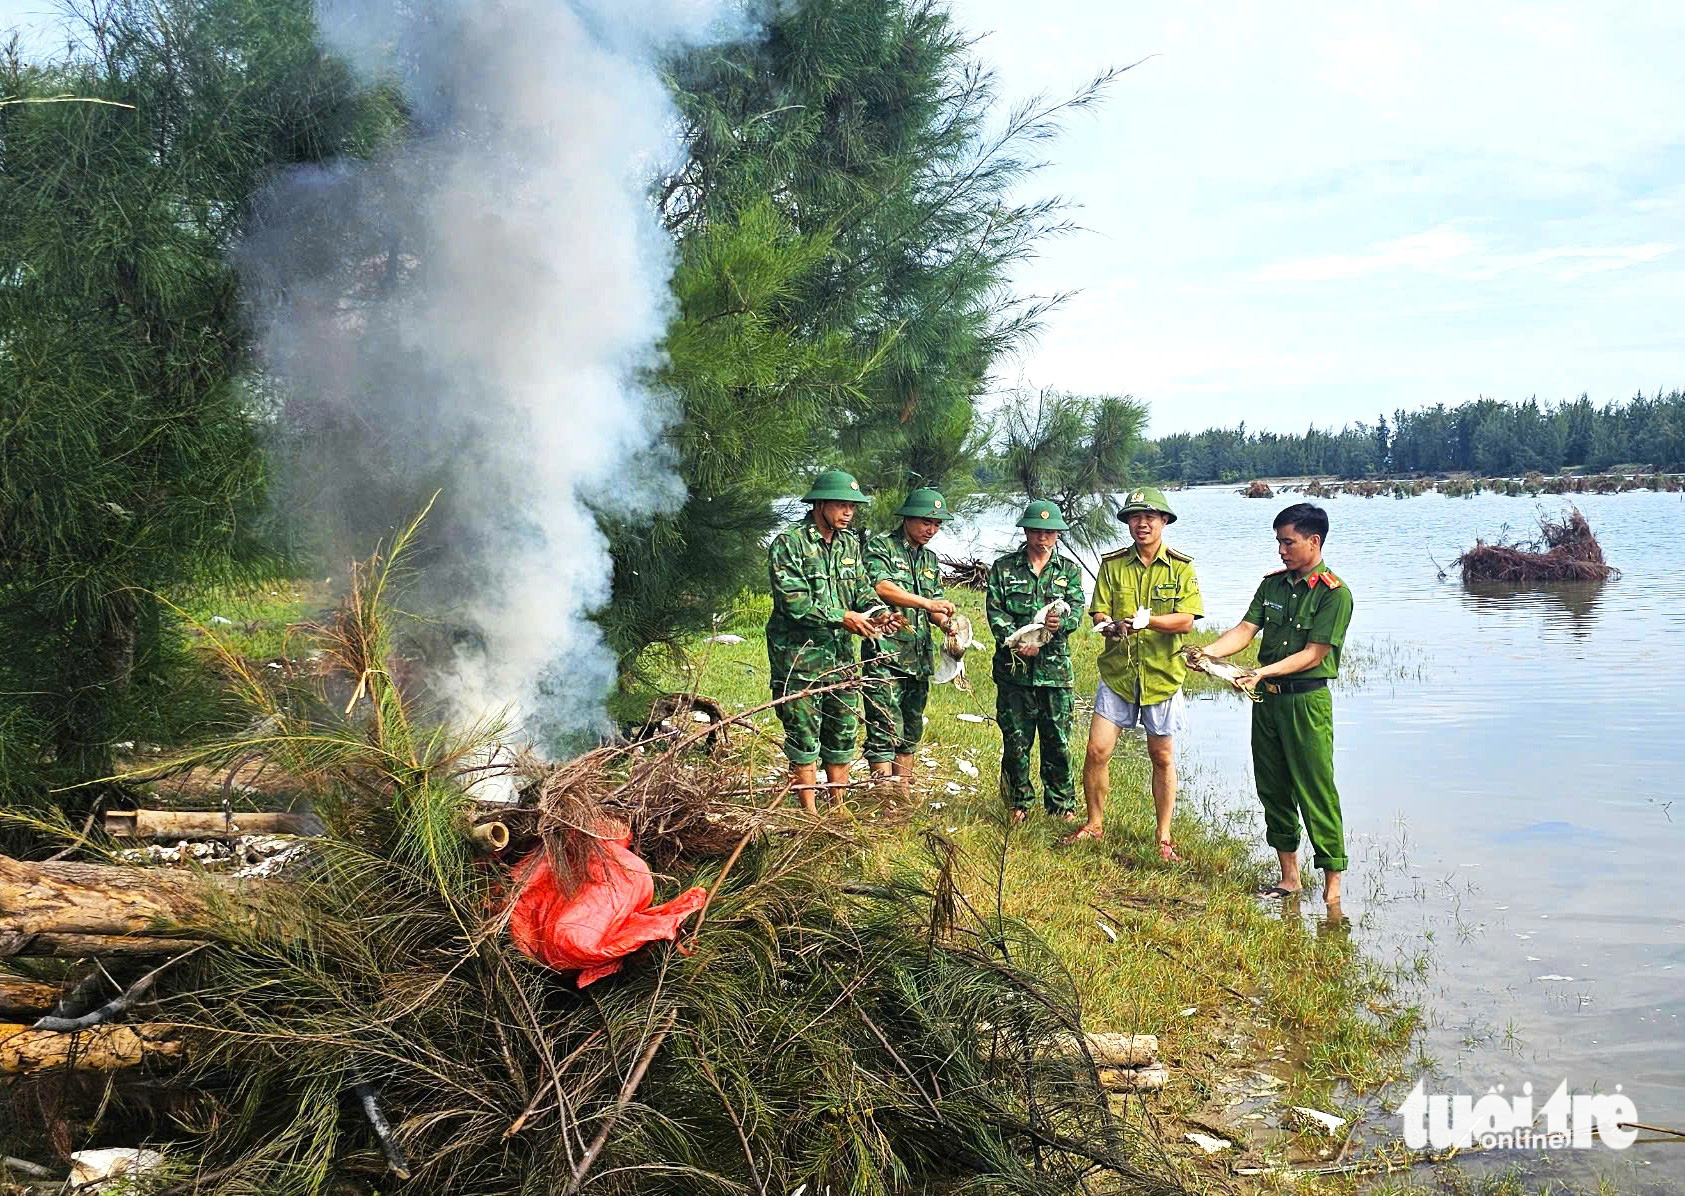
898 674
1145 667
814 584
1293 726
1033 694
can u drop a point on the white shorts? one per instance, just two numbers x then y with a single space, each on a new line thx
1161 718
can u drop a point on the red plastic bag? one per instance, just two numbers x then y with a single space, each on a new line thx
610 916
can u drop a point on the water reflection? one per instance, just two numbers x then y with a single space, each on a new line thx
1578 600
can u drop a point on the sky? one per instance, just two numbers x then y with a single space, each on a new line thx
1303 213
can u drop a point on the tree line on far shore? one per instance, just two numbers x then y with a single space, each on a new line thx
1485 437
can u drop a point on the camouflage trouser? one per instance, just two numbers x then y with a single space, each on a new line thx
1024 712
818 726
895 705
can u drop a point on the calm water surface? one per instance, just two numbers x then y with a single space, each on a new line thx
1512 768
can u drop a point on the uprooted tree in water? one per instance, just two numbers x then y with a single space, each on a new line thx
1567 550
365 1014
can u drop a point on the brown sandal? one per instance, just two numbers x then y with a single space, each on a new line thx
1081 833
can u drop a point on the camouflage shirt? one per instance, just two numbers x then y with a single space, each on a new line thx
1015 594
813 585
909 651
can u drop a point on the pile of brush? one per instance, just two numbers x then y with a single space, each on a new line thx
970 574
1566 550
1257 489
364 1020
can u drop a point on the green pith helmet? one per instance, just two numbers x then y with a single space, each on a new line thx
834 485
1044 515
1145 498
925 503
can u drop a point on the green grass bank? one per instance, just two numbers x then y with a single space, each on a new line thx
1256 1007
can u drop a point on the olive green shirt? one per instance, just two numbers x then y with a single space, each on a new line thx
1294 612
1014 594
813 585
1144 666
892 558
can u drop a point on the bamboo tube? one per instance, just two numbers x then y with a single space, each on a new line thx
1123 1050
490 837
173 825
1134 1079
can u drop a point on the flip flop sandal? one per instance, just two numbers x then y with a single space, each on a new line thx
1276 893
1167 852
1078 835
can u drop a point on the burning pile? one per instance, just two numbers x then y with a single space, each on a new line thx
365 1014
1565 551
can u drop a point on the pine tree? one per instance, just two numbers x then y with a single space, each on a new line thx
130 459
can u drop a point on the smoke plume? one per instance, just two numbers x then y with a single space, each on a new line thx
471 313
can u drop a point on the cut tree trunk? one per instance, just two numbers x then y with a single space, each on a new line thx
81 946
18 995
104 1048
72 901
174 825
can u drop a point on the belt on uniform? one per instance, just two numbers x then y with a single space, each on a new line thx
1293 687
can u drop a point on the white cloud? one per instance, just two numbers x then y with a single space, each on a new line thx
1435 249
1453 254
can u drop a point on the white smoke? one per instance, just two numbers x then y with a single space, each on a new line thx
472 314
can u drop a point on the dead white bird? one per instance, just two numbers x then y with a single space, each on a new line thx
1211 666
1035 631
950 660
98 1170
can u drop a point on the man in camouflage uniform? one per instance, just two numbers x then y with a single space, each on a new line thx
819 590
1033 683
907 575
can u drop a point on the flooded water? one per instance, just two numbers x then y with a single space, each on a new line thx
1512 769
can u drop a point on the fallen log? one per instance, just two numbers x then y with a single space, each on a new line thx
18 995
82 946
175 825
56 899
104 1048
